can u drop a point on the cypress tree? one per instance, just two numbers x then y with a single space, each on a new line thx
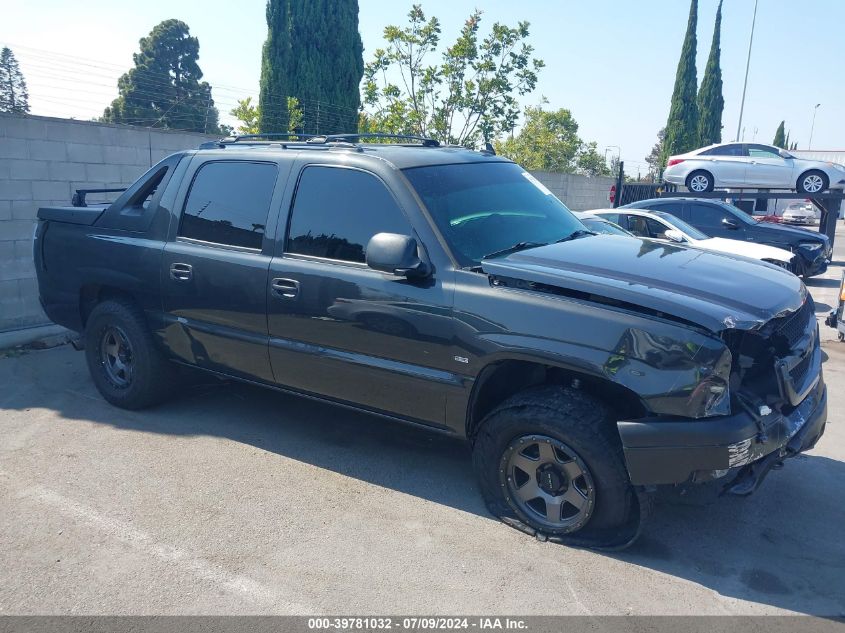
682 125
275 67
710 100
326 77
13 94
780 136
313 53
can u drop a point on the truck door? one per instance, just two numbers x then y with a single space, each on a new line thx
342 330
214 270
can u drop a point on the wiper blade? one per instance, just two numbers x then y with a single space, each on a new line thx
575 235
519 246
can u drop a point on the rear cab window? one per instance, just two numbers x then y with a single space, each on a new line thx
228 203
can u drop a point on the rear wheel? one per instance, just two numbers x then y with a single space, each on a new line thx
128 369
548 462
813 181
700 181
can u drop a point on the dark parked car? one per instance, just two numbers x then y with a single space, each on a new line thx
720 219
450 289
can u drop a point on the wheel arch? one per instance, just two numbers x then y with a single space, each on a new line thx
93 294
501 379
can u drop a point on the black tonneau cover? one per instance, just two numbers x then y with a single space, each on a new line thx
72 215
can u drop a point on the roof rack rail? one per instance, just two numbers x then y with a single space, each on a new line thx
424 141
284 138
268 137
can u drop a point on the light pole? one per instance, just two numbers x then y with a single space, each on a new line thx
812 126
618 152
747 64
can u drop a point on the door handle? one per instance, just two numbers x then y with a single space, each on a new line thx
181 272
284 288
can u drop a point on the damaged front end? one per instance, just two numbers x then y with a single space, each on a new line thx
778 408
776 378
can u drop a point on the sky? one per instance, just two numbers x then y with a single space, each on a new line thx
611 62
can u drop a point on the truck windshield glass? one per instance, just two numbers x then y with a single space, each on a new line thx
483 208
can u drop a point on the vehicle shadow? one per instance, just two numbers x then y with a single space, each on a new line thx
782 546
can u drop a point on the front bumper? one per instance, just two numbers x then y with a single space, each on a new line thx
678 451
815 262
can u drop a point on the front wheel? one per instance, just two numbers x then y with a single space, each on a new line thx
128 369
812 182
549 461
700 181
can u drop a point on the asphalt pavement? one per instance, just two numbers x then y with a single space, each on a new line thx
232 499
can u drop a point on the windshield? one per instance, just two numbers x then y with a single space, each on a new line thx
483 208
682 226
604 226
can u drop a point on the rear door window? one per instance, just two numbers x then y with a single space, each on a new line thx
228 203
337 210
735 149
706 216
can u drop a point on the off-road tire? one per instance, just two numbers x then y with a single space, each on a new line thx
582 423
153 377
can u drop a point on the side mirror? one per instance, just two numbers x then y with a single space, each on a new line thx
674 235
784 154
396 255
730 224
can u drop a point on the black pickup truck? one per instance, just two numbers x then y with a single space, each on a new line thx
447 288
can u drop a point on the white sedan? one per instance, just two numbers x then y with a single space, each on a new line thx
744 165
659 225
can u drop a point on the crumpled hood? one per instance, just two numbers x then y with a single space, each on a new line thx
712 290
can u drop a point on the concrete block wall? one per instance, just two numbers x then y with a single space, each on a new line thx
579 193
42 161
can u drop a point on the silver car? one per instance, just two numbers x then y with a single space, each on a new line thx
751 165
800 213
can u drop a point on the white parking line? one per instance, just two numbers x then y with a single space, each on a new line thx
185 561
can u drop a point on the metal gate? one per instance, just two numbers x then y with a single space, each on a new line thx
635 191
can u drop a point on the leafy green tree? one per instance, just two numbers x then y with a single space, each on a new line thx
326 77
249 115
13 93
780 139
711 103
275 68
468 97
655 156
549 141
591 163
164 88
313 53
295 116
682 125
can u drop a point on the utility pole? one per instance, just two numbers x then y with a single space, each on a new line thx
747 65
812 126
